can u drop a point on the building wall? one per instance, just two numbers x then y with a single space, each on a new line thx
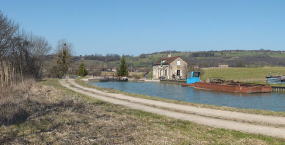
168 70
159 70
223 66
182 67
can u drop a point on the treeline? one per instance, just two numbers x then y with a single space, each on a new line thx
99 57
165 52
202 54
21 53
245 61
260 50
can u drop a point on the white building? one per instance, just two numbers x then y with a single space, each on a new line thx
170 67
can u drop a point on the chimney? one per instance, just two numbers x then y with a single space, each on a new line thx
169 54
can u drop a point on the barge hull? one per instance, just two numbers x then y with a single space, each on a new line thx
237 88
184 84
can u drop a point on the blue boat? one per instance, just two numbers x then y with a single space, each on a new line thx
192 78
275 79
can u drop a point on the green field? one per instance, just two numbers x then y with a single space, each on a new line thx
138 62
241 74
248 53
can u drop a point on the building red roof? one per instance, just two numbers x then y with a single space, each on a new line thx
167 60
223 64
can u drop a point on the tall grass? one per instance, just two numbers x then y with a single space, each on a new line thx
13 102
7 75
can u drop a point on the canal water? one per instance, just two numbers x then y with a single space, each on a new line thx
263 101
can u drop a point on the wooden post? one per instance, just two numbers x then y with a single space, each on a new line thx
1 75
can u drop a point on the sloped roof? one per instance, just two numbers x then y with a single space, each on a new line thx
223 64
167 60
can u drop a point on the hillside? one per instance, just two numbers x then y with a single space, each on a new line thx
242 74
204 59
235 58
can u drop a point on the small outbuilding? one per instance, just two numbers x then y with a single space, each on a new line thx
223 65
195 66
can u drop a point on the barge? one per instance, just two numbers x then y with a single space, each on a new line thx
232 86
217 84
192 78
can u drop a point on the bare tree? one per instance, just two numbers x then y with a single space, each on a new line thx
8 29
185 71
21 55
39 48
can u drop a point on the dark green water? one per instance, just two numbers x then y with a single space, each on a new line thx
264 101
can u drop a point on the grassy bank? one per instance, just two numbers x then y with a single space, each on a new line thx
55 115
242 74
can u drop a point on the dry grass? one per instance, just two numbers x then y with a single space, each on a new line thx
57 116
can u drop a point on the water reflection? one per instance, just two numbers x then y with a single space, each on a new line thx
264 101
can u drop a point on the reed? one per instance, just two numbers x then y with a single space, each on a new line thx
8 75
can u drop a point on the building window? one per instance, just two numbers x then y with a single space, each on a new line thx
178 62
178 73
165 73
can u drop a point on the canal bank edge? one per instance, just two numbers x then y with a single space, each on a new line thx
249 111
217 123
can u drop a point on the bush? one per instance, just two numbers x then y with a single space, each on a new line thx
82 71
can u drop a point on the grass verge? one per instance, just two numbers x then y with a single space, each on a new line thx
66 117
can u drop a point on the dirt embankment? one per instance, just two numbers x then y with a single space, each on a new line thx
51 114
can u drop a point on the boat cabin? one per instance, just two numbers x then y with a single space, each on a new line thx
193 77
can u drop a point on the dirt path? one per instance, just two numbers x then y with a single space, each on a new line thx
258 124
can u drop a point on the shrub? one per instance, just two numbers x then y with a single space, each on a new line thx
82 71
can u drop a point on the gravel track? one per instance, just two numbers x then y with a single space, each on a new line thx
250 123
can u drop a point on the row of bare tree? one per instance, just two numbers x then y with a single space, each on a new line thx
245 61
107 58
21 53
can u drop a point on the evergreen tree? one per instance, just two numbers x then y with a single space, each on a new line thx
123 70
64 56
82 71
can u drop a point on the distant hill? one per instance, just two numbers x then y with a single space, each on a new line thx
204 59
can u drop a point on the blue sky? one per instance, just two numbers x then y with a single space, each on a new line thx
145 26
